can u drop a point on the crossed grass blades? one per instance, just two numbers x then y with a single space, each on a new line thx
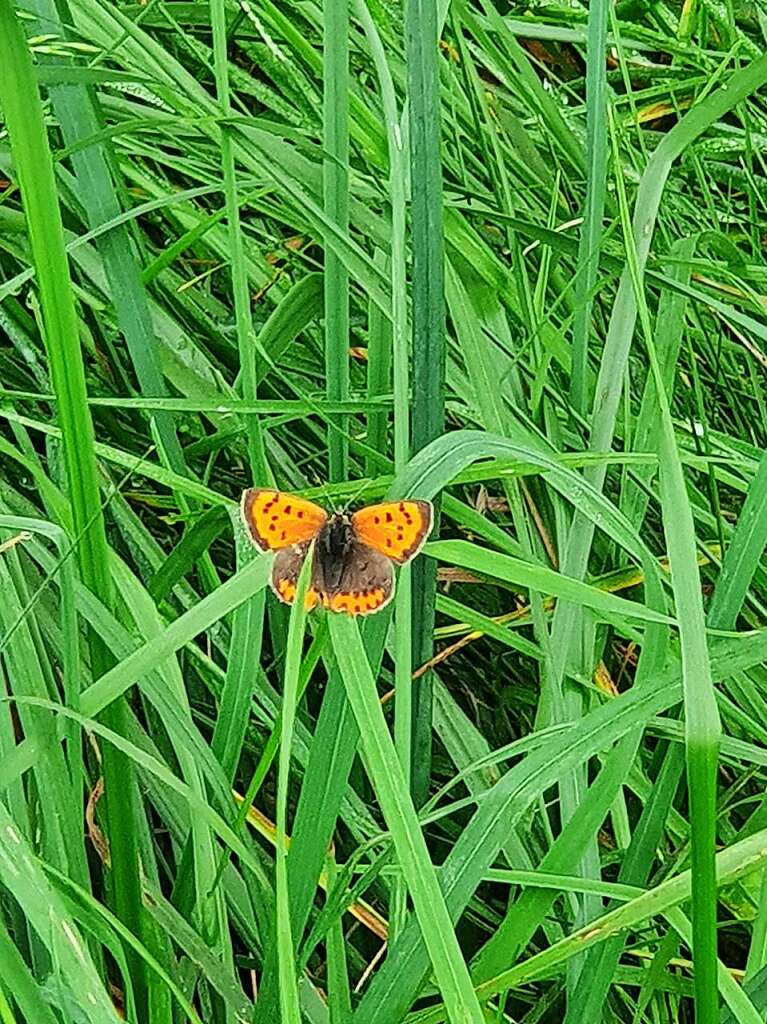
220 224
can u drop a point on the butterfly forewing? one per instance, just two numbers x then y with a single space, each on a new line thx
397 529
278 520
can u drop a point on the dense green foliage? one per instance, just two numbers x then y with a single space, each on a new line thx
507 258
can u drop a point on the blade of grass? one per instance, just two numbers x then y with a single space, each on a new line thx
248 618
302 304
240 287
540 578
141 661
596 183
735 862
335 188
624 315
27 675
702 724
389 782
75 970
79 119
588 1000
289 1002
155 767
568 621
26 129
735 997
403 635
71 674
204 905
379 355
635 870
743 554
333 749
428 331
21 983
339 996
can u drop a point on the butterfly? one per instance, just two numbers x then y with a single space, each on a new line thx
354 555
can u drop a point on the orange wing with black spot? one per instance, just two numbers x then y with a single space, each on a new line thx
397 529
278 520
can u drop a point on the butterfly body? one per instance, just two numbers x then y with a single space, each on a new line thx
331 554
354 555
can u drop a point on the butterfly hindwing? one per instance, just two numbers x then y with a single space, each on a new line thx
285 572
365 586
277 520
397 529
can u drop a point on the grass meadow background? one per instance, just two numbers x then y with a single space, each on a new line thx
508 257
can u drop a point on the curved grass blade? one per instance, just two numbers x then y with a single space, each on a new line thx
396 985
733 863
142 661
702 723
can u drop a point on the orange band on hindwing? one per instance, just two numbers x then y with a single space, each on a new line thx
359 602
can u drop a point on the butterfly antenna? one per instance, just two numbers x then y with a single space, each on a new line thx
327 498
364 484
316 408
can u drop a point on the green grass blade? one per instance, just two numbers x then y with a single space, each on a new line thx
289 1002
114 683
240 285
75 970
96 918
735 862
591 230
26 128
79 119
539 578
428 331
404 736
702 724
388 779
20 982
743 554
335 183
379 353
339 996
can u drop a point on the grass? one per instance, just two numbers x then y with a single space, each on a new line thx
509 259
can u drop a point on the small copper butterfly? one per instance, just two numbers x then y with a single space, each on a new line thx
353 555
